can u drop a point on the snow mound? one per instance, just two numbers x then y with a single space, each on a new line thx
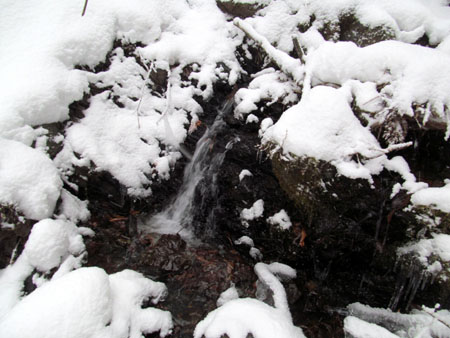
366 322
255 211
437 198
239 317
52 241
323 126
438 246
410 74
268 85
89 303
28 180
51 244
281 219
358 328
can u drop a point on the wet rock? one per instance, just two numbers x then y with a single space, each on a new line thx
349 28
14 231
195 277
238 8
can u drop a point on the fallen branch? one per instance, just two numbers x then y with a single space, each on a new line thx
288 65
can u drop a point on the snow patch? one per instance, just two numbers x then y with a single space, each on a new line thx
28 179
280 219
323 126
255 211
244 173
239 317
87 303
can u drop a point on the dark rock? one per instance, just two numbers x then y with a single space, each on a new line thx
14 231
349 28
238 9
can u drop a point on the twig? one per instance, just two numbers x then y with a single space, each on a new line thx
138 109
287 64
84 8
298 48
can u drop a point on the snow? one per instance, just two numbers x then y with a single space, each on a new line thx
244 173
51 244
280 219
323 126
268 85
288 65
255 211
89 303
437 198
28 179
365 321
358 328
252 119
416 75
438 246
239 317
245 240
72 208
138 139
228 295
50 241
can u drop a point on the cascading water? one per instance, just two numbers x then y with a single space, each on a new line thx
200 177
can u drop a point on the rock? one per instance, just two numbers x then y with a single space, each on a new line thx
238 8
14 231
349 28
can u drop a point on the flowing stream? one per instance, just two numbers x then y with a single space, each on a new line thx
199 179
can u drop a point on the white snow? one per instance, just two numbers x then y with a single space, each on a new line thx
358 328
239 317
251 119
89 303
72 208
228 295
438 198
139 142
323 126
420 323
416 75
244 173
255 211
268 85
439 245
51 243
28 179
280 219
245 240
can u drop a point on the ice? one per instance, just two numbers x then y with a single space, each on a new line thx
28 179
281 219
239 317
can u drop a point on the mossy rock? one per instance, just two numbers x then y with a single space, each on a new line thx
317 189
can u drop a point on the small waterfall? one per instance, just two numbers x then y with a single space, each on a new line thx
200 178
